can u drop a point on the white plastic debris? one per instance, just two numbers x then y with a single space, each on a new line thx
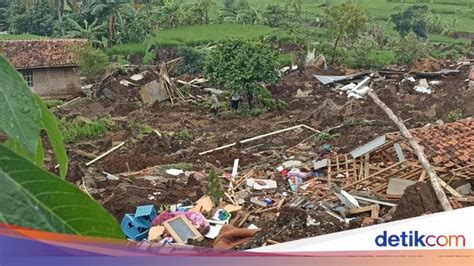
252 226
126 83
354 95
137 77
421 89
435 82
261 184
411 79
292 164
348 87
347 199
174 172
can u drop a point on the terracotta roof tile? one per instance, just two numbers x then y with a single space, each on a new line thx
446 144
24 54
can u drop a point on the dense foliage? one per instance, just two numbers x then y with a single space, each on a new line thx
241 66
37 20
92 62
346 20
413 19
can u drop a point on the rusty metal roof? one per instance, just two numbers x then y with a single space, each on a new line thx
25 54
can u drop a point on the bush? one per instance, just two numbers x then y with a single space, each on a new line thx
193 60
242 66
275 16
37 20
413 19
366 53
408 49
455 115
186 135
92 62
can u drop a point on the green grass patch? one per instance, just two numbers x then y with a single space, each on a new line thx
193 36
446 39
51 103
12 37
83 129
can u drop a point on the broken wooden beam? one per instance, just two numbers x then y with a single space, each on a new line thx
105 154
259 137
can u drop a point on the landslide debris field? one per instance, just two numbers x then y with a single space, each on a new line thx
171 136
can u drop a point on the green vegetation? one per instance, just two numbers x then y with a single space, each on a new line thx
180 166
413 19
409 49
214 188
15 37
326 136
51 103
242 66
37 198
455 115
186 135
192 36
92 62
24 116
83 129
346 20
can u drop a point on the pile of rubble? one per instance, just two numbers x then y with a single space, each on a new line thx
378 182
285 184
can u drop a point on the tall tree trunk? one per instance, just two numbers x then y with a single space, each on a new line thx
111 29
443 200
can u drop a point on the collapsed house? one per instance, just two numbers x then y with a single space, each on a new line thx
47 66
386 166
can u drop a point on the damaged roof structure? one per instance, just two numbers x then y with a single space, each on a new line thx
47 66
450 147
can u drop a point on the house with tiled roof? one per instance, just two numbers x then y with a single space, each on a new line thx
47 66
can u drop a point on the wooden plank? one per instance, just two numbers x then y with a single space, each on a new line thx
374 209
422 176
372 175
329 171
367 165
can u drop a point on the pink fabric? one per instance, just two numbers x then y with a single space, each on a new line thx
197 219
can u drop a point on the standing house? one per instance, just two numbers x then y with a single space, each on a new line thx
46 65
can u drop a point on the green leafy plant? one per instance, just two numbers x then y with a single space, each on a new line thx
326 136
37 19
92 62
413 19
367 53
347 19
275 16
455 115
193 60
242 66
408 49
23 117
35 198
214 188
81 129
186 135
51 103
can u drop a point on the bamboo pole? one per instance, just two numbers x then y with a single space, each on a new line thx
259 137
105 154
